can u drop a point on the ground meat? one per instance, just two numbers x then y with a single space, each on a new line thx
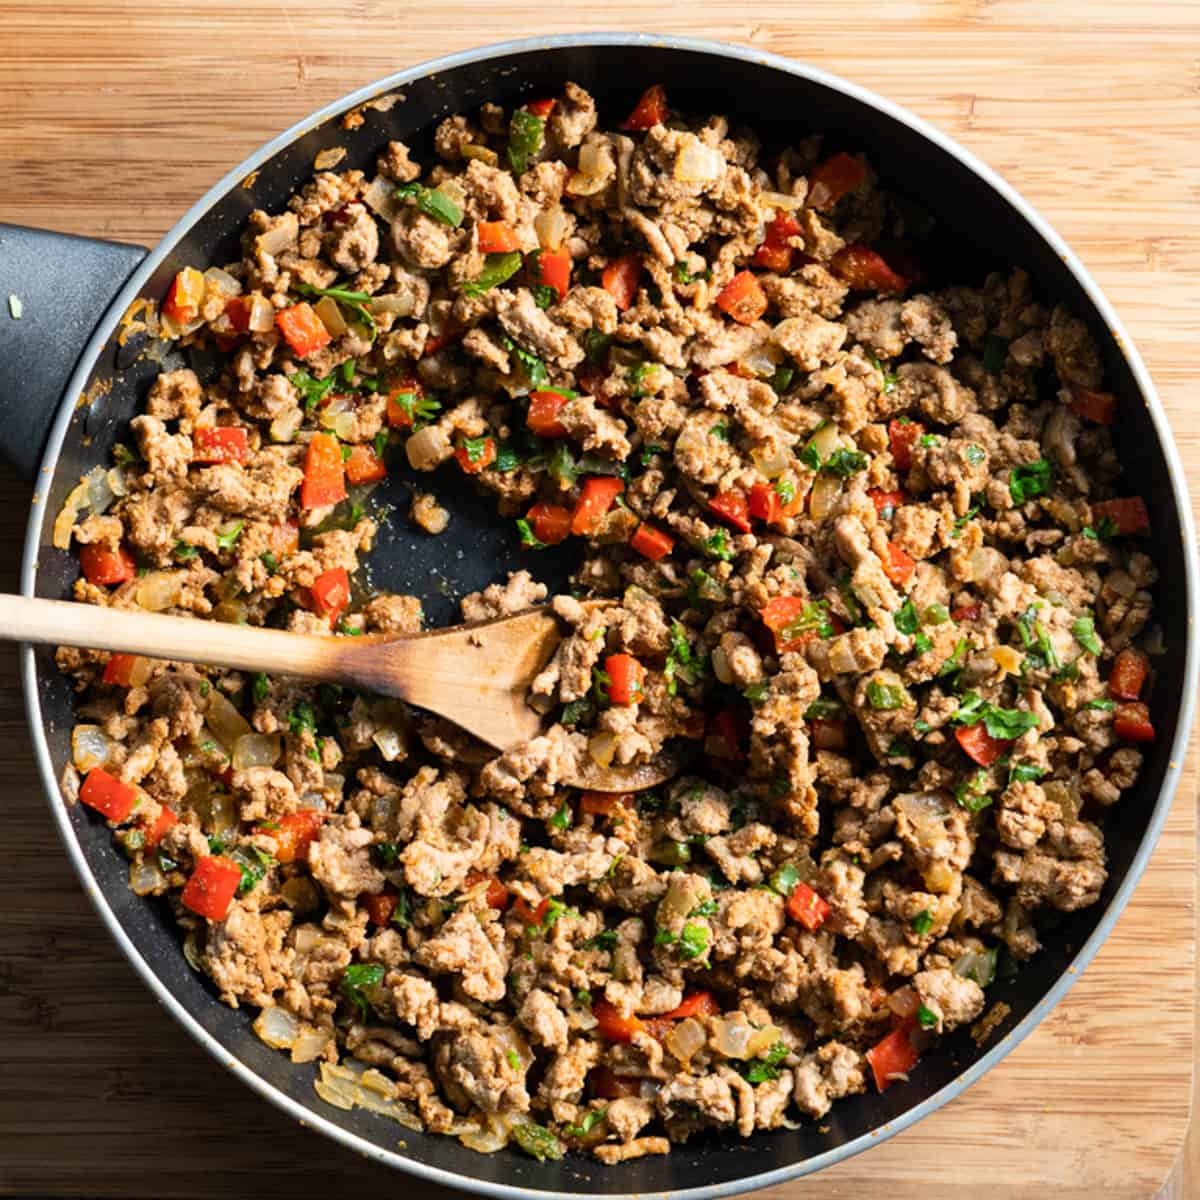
834 550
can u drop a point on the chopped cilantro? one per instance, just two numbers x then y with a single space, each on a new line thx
432 203
720 431
526 133
760 1070
926 1018
260 687
497 269
606 939
971 793
301 718
227 538
922 923
1025 773
562 818
756 693
844 463
312 391
269 561
1028 481
358 979
889 379
184 550
693 941
718 546
907 620
528 538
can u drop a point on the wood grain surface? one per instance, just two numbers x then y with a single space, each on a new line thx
117 115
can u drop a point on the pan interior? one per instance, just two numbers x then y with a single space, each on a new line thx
978 231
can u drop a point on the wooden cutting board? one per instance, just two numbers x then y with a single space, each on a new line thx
117 116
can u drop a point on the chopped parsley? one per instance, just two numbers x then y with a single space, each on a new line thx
926 1018
680 664
757 693
720 431
575 711
813 618
764 1068
1004 724
312 391
302 718
475 448
1103 704
358 979
693 941
260 687
227 538
544 295
889 379
922 643
1083 630
718 546
528 538
1106 528
922 923
387 853
971 793
415 407
526 133
354 302
562 818
497 269
269 561
844 463
1025 773
1029 481
606 939
648 453
907 620
184 550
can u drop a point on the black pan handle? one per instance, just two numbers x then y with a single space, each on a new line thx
54 288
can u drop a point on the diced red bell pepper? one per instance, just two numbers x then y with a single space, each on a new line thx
104 566
625 676
612 1025
364 465
1129 515
903 436
474 461
733 508
885 500
607 1085
595 499
496 895
237 309
542 417
730 728
765 503
119 669
606 804
777 614
979 745
381 907
775 254
331 593
695 1004
807 907
743 299
650 110
865 270
212 886
531 916
184 296
400 416
551 523
836 177
1128 674
497 237
1100 407
295 834
967 612
620 279
552 268
651 543
892 1057
324 473
154 833
302 329
828 733
541 108
1131 722
898 565
107 794
220 444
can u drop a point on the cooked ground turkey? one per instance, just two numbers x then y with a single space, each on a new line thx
868 562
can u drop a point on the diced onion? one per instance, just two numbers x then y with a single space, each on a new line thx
223 816
261 317
310 1045
284 426
987 563
720 665
331 316
427 448
277 1027
841 655
1007 659
771 458
328 159
685 1038
780 200
345 425
602 746
116 482
342 1087
220 283
1067 796
400 304
65 521
334 781
824 496
160 590
698 163
224 720
300 894
735 1037
100 495
596 168
146 878
280 237
90 747
927 815
552 227
826 439
390 743
256 750
762 359
192 953
380 197
492 1137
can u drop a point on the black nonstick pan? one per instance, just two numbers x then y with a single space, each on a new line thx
73 293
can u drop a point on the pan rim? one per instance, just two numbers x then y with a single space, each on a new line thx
310 1116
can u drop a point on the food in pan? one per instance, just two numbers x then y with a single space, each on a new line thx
871 569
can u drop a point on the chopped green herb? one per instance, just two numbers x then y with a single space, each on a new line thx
760 1070
975 455
782 379
706 908
757 693
670 854
205 687
930 439
844 463
1025 773
544 295
693 941
954 662
590 1120
885 697
260 687
596 344
1105 529
388 853
355 302
926 1018
416 408
718 546
606 939
536 1141
971 793
785 489
575 711
432 202
889 379
513 1059
358 979
528 538
648 452
562 818
784 879
813 618
922 923
346 452
1031 480
1103 704
922 643
921 727
526 134
907 620
301 718
702 587
1005 724
583 997
497 269
1083 630
184 550
269 561
312 391
664 937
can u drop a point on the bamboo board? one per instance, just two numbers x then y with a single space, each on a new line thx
117 116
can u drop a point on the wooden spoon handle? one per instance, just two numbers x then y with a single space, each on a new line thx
241 647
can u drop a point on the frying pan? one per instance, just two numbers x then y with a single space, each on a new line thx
74 292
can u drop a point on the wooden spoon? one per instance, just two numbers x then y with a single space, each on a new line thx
477 675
